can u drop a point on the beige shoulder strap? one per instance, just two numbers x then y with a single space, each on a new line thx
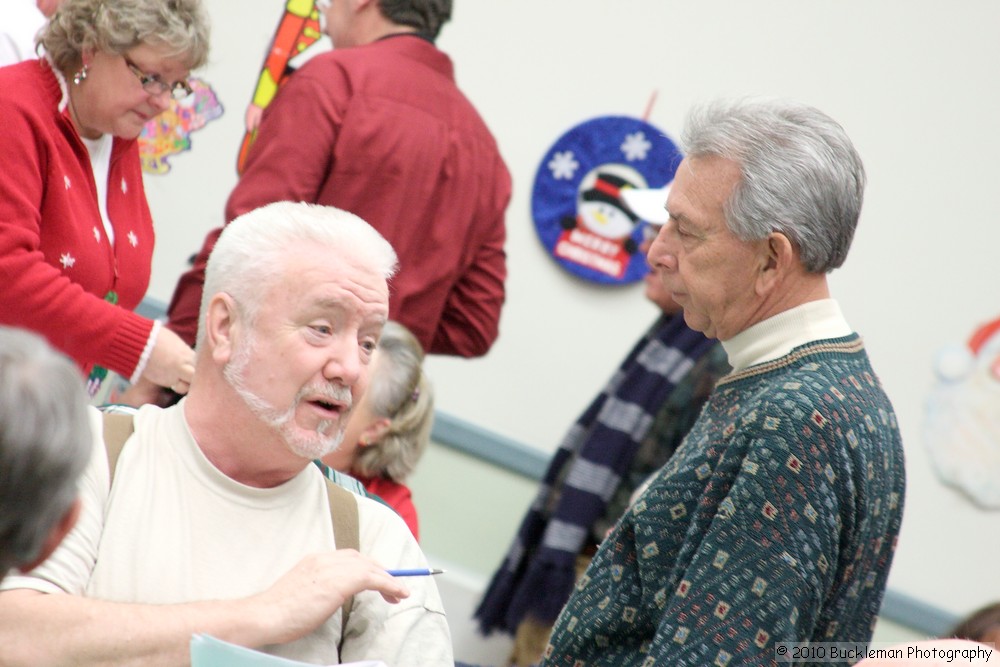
344 510
117 429
346 534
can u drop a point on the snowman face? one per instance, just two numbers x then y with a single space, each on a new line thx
605 219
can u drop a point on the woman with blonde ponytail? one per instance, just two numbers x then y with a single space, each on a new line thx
390 426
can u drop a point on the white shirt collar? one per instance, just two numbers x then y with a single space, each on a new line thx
776 336
64 100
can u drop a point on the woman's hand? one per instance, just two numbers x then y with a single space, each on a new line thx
170 369
171 363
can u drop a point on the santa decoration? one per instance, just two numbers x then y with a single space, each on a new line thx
962 425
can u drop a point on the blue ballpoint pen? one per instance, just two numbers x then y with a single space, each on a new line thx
413 573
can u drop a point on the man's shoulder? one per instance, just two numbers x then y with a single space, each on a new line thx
375 515
814 366
800 404
790 392
151 419
382 529
378 56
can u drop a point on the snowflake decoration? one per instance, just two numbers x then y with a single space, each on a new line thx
124 187
563 165
67 260
97 234
133 239
66 181
636 146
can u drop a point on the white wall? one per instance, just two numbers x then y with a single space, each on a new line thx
915 83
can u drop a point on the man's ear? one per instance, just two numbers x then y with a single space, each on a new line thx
221 325
374 432
56 535
778 256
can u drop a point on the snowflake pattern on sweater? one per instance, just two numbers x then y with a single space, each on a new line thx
775 521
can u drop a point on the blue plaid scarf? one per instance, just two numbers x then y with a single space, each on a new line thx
537 575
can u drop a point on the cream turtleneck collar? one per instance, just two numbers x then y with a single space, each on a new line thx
778 335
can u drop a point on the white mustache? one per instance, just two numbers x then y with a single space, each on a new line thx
333 393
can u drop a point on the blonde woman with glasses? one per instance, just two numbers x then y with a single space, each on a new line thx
76 234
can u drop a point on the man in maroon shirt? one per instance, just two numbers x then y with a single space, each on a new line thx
378 127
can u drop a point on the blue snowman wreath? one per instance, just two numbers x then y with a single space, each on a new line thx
576 202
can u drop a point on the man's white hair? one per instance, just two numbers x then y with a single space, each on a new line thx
254 250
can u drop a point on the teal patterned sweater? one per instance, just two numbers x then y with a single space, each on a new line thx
775 521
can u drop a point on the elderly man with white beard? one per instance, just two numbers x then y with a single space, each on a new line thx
217 521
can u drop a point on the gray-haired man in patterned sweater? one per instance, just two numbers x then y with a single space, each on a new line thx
776 519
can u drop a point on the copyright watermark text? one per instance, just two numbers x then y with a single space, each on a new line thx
850 653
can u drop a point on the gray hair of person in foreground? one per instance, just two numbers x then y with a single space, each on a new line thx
802 176
256 250
45 443
400 392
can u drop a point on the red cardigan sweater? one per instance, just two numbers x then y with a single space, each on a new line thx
56 263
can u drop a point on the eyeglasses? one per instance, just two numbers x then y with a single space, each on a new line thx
153 85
